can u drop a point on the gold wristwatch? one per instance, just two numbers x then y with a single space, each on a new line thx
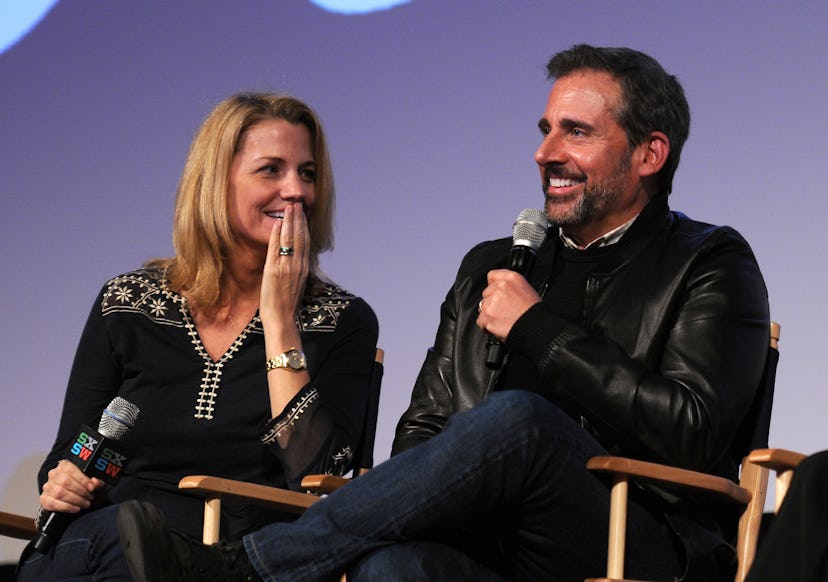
292 359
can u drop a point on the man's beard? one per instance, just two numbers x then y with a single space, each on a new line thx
593 202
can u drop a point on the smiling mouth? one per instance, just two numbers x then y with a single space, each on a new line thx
277 215
556 178
562 182
562 189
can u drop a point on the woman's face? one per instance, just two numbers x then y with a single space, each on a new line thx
272 168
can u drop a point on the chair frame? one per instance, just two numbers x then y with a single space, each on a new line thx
17 526
215 489
751 491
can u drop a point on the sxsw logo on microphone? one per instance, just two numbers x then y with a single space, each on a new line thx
110 462
84 446
92 452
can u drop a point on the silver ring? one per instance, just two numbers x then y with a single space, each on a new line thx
480 306
286 251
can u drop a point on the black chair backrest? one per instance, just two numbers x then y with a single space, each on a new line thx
753 434
364 455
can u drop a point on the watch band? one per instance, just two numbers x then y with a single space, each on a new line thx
292 359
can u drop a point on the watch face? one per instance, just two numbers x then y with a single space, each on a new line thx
296 359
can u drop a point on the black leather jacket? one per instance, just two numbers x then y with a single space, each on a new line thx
663 364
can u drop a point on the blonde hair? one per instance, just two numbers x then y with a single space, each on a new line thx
201 226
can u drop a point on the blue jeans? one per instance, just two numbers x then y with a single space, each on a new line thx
504 485
89 550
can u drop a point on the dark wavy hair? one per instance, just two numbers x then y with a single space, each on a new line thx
652 99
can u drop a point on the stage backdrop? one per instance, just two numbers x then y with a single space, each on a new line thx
431 108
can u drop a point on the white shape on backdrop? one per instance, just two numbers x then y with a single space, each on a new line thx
18 17
357 6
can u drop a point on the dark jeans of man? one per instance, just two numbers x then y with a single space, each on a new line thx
502 491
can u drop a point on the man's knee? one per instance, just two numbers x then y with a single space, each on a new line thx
517 409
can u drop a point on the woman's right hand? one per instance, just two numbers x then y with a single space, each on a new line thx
284 277
283 284
68 490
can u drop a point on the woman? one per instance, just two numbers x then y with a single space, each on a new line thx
197 342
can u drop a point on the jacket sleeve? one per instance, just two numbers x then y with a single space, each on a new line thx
446 385
431 401
319 429
679 391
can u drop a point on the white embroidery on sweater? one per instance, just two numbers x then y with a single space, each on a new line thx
279 430
145 292
341 461
322 313
211 375
139 292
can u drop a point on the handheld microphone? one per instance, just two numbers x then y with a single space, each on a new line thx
98 454
528 234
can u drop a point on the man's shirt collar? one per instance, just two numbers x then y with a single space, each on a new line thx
605 240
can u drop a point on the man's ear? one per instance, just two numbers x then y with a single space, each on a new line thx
653 154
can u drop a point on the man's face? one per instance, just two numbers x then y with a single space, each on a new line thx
588 170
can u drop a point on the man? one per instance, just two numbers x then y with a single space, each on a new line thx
640 332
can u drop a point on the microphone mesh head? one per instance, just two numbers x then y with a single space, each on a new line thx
530 228
118 417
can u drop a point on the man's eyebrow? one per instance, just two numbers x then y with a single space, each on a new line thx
568 123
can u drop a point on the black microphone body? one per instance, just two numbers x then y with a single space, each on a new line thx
98 453
529 233
522 259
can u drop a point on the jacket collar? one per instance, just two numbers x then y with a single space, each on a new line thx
653 219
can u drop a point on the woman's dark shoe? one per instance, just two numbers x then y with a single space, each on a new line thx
156 553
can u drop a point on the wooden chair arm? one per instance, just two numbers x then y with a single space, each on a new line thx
216 488
623 469
776 459
665 475
783 462
323 484
17 526
282 499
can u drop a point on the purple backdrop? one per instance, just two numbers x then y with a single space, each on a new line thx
431 110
